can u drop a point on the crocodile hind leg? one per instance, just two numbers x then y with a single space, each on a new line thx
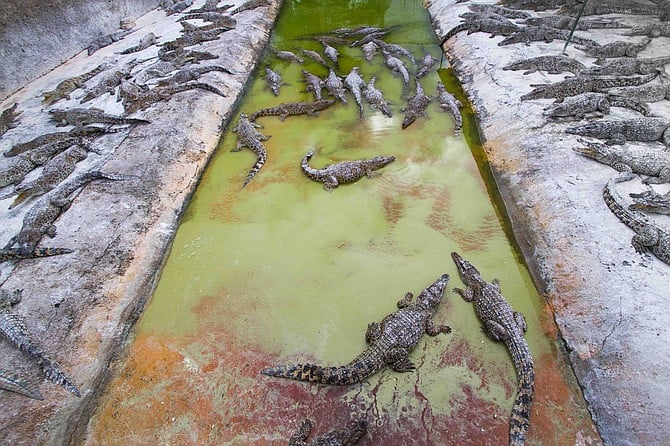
300 435
495 331
373 332
397 359
520 321
642 241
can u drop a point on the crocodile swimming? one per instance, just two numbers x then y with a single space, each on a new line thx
346 436
332 175
389 342
355 83
416 106
14 330
311 108
648 236
274 80
449 103
376 99
335 87
502 323
248 136
314 84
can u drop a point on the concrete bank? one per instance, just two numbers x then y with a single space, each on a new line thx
80 307
611 304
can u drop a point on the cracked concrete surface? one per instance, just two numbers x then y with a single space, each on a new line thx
611 304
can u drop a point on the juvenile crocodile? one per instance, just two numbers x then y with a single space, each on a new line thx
315 57
80 117
648 236
369 50
355 83
376 99
39 219
491 26
390 342
7 119
535 5
224 23
393 49
249 5
582 84
628 66
192 38
147 98
314 84
14 383
331 53
609 7
274 80
597 104
553 64
212 6
182 56
651 201
248 136
293 109
613 49
449 103
14 330
424 65
651 92
66 87
498 10
335 87
49 138
502 323
188 74
143 44
529 34
416 106
216 19
109 81
565 22
620 131
347 436
653 163
177 7
653 30
106 40
394 64
288 56
332 175
11 254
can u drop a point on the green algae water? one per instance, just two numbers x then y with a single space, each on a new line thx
282 271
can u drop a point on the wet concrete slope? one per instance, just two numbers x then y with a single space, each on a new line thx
611 303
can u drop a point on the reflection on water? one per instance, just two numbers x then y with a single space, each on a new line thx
282 271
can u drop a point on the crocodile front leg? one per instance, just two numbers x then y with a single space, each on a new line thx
434 330
300 436
330 183
467 294
644 240
406 301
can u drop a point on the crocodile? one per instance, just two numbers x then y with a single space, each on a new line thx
66 87
376 99
39 219
335 87
655 164
14 383
651 92
491 26
368 38
498 10
359 31
314 84
597 104
369 50
582 84
395 65
143 44
109 81
315 57
416 106
648 236
289 56
332 175
14 330
502 323
80 117
614 49
424 65
193 38
331 53
54 172
249 5
347 436
248 136
609 7
293 109
552 64
653 30
651 201
178 7
15 170
164 93
106 40
212 6
535 5
620 131
449 103
12 254
565 22
224 23
7 118
546 34
393 49
49 138
274 80
182 56
628 66
188 74
390 342
355 83
216 20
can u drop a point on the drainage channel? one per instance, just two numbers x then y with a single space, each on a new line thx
282 271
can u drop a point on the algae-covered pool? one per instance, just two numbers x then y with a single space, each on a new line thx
282 271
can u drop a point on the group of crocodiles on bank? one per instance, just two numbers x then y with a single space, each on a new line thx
138 84
619 78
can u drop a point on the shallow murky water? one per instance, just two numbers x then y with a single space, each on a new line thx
282 271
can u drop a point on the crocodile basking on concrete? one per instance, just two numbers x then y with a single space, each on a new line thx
109 81
651 201
188 74
592 104
582 84
546 34
12 254
311 108
48 138
66 87
390 342
628 66
347 436
552 64
106 40
249 5
145 99
648 236
7 118
14 330
332 175
248 136
80 117
653 30
416 106
143 44
620 131
613 49
565 22
650 92
491 26
655 164
502 323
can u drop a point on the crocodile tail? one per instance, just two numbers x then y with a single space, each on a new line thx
48 252
523 364
13 383
208 87
260 162
53 371
453 31
613 200
340 376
